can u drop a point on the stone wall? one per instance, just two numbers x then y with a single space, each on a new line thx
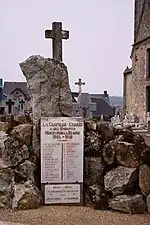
116 171
18 165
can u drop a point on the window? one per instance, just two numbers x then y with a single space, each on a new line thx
148 62
148 98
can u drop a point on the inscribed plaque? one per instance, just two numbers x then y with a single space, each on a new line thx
62 149
62 193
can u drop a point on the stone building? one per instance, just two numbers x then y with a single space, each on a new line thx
137 78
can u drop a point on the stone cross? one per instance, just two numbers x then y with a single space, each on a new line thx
80 83
57 34
10 103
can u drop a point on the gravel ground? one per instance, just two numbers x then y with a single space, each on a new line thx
65 215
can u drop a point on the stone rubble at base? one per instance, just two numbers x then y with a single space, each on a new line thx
112 157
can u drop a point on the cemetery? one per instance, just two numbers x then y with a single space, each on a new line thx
61 148
50 156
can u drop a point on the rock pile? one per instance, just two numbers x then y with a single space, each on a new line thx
117 169
18 189
116 175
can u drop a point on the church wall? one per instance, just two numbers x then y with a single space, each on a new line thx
139 81
142 20
135 95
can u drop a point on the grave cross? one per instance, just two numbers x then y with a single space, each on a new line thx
57 34
84 107
80 83
21 103
10 103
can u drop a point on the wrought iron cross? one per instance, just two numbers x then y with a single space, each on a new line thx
10 103
21 103
57 34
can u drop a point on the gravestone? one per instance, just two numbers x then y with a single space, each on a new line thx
102 117
84 107
57 34
116 121
126 121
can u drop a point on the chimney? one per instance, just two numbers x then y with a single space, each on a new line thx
1 83
105 93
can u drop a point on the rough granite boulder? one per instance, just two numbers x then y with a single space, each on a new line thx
28 169
14 152
120 180
106 130
23 119
126 134
90 125
49 90
109 151
148 203
16 167
3 126
48 85
23 133
25 196
93 171
6 177
144 179
94 191
92 144
128 204
127 154
97 197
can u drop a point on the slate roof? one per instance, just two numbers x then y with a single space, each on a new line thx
9 87
2 95
128 70
102 107
103 96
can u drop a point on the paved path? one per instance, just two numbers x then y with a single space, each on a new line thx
65 215
10 223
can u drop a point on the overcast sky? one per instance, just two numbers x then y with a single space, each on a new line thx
101 35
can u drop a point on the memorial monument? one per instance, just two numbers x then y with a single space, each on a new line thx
61 135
